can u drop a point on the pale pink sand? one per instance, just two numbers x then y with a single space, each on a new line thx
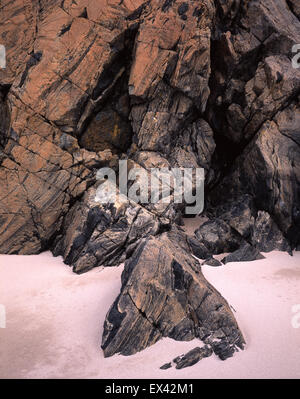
55 319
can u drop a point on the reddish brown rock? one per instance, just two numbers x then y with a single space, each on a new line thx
57 62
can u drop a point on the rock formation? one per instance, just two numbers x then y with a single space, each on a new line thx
189 359
192 357
197 84
164 294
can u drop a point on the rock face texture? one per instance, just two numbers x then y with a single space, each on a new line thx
162 84
95 235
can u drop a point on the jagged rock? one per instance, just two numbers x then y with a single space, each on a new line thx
164 294
198 249
255 226
269 170
195 148
222 350
239 214
96 234
266 235
263 100
218 237
192 357
212 262
219 343
166 366
245 253
255 78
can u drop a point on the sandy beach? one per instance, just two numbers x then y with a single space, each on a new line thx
54 321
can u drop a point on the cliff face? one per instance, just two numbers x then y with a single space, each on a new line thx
169 83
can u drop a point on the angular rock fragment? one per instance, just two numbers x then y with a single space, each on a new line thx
164 294
257 227
166 366
195 148
239 214
266 235
198 249
192 357
212 262
218 237
222 350
245 253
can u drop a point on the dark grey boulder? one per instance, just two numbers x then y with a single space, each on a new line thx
266 235
218 237
219 343
197 248
166 366
239 214
212 262
245 253
193 357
